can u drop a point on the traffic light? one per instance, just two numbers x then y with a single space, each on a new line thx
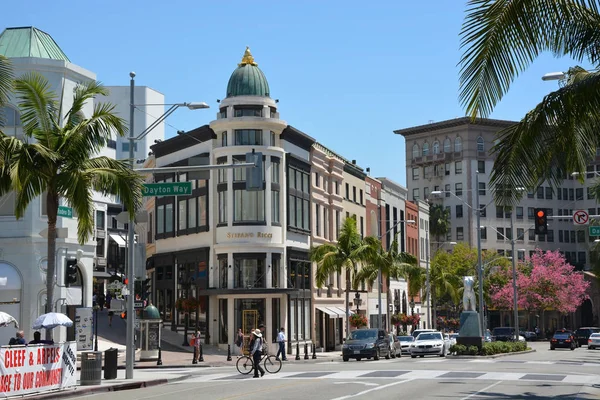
70 271
124 315
146 288
541 221
254 175
126 281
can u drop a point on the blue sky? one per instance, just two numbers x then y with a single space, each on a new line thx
346 72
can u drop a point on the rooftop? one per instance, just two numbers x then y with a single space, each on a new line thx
29 41
450 123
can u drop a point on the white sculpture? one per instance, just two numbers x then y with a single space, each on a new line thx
469 303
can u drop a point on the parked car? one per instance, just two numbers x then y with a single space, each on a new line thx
503 334
395 346
417 332
366 343
429 343
594 341
405 342
583 334
563 338
528 335
487 336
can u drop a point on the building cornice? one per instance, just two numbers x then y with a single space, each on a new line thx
451 123
191 138
297 137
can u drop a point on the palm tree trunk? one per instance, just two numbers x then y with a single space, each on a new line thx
433 310
347 303
52 209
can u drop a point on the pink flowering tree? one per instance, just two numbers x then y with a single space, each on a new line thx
547 282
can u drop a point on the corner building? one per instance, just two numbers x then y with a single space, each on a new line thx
243 254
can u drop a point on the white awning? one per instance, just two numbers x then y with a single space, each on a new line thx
339 311
328 311
118 239
332 311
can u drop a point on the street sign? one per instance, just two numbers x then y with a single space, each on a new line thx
167 189
594 230
61 233
581 217
65 212
138 305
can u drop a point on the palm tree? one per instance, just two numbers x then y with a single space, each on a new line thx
340 257
443 283
57 157
6 80
501 39
439 222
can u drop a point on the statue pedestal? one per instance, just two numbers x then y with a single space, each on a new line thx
470 332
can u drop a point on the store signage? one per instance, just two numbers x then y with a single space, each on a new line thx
37 368
83 328
249 235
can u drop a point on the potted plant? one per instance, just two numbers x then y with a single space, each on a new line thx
358 320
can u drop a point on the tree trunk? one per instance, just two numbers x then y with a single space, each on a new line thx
347 303
52 209
433 311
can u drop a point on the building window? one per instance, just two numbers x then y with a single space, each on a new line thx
447 190
483 210
425 149
459 211
549 193
160 220
299 199
540 192
531 234
275 207
249 273
317 220
337 187
354 194
436 147
223 336
483 233
150 235
360 197
415 151
520 233
415 194
458 167
530 213
480 146
222 207
169 218
447 169
223 112
415 174
362 227
247 111
337 224
347 192
224 139
460 233
272 138
223 268
99 219
249 137
457 144
316 179
248 206
458 189
222 173
519 212
482 188
481 166
550 235
500 233
275 269
10 115
447 145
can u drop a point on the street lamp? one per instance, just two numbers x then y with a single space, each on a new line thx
411 304
357 301
554 76
130 354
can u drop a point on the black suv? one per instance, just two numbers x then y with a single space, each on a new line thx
503 334
563 338
583 334
366 343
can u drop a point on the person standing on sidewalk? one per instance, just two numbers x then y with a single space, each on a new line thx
281 339
239 342
257 353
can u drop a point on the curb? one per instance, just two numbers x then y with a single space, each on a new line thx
490 357
82 390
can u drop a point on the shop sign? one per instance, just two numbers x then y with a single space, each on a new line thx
249 235
37 368
83 328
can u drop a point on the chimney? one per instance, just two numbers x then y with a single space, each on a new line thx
354 162
368 170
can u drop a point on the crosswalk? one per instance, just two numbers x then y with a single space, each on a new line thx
404 375
479 361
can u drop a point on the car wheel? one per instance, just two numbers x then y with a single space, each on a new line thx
551 348
590 347
422 356
572 347
376 358
345 358
358 359
413 356
388 355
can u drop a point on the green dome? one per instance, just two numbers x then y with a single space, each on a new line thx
151 312
248 79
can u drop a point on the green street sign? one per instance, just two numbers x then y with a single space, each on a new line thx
594 230
65 212
167 189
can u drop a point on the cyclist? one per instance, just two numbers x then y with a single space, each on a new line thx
256 352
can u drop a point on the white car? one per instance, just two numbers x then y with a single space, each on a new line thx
429 343
594 341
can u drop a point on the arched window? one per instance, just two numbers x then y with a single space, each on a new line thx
10 116
480 146
457 144
416 152
447 146
436 147
425 149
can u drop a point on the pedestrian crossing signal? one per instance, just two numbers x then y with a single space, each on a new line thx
124 315
541 221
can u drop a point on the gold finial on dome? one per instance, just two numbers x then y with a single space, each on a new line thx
247 59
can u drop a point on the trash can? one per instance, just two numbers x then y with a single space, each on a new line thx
110 363
91 368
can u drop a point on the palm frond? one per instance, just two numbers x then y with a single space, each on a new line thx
558 136
6 82
39 112
83 93
502 38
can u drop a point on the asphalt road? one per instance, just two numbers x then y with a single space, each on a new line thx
544 374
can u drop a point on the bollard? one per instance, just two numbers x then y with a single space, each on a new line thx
228 352
305 351
159 361
314 356
195 359
297 351
201 355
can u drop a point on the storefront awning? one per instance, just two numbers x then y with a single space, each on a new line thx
332 311
327 311
118 239
339 311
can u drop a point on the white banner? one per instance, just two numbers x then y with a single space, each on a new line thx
84 328
37 368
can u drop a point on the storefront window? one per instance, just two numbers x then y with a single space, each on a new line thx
275 266
249 273
249 313
276 319
223 337
223 271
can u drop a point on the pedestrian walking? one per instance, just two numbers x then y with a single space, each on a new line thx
257 353
108 300
110 317
281 339
239 342
101 298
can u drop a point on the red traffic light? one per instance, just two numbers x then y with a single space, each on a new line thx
541 213
126 281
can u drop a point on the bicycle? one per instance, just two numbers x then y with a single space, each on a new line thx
245 365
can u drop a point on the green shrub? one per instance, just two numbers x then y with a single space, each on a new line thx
472 350
458 349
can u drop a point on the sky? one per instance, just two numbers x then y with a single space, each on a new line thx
348 73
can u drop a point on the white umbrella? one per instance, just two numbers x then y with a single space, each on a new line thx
52 320
7 319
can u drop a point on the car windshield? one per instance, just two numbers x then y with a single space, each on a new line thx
406 338
429 336
364 334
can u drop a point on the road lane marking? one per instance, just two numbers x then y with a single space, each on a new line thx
481 391
267 389
356 382
372 390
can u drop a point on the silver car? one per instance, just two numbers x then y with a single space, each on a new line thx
429 343
405 342
594 341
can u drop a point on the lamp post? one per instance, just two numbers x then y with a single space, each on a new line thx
96 308
357 301
411 304
130 333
